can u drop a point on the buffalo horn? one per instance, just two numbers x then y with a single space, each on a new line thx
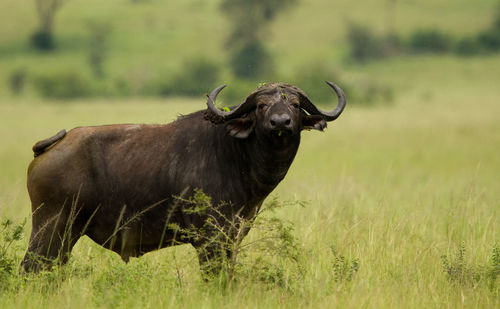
309 107
238 111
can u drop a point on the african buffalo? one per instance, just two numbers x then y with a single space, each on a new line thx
122 185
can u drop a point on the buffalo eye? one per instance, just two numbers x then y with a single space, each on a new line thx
295 105
262 106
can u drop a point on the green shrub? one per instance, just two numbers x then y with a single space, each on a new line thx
63 85
468 46
17 81
344 269
311 78
10 234
430 40
462 273
98 47
271 256
489 39
363 43
198 77
493 269
43 40
458 270
252 61
366 45
236 92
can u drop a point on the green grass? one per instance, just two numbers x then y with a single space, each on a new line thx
395 187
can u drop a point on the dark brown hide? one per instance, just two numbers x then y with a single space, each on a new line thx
118 184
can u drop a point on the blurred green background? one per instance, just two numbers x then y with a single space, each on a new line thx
71 49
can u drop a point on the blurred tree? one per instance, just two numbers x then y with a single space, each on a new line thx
249 57
98 47
46 10
17 80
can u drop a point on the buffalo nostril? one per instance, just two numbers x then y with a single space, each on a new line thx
280 121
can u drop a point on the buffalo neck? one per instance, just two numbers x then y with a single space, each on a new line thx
264 164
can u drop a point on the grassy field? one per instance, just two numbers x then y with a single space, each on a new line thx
394 187
389 189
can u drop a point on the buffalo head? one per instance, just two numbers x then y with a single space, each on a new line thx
276 113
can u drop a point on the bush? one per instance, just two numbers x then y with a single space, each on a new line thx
17 80
462 273
344 269
43 40
430 40
251 61
468 46
63 85
311 78
363 43
10 235
98 47
237 90
489 39
272 255
197 78
366 45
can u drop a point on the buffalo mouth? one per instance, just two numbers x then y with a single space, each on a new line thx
281 133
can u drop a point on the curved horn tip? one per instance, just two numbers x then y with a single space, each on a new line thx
216 90
334 86
337 89
221 87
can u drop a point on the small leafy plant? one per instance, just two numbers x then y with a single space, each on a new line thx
458 270
344 269
10 234
462 273
271 255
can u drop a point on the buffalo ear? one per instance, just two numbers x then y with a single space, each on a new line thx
313 122
240 127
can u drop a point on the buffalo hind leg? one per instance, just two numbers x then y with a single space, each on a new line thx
50 241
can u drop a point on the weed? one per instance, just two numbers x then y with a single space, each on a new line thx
343 268
17 81
460 272
10 233
63 85
430 40
272 256
98 47
252 60
493 270
198 76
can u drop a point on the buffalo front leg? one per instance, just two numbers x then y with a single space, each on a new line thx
214 259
